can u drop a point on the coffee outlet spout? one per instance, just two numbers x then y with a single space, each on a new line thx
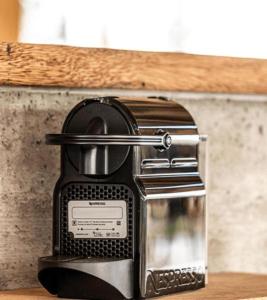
129 208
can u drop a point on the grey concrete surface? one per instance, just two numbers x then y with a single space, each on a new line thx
237 129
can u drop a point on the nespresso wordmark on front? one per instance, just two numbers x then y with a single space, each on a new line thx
129 206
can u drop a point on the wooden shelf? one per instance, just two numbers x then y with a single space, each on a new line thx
225 286
63 66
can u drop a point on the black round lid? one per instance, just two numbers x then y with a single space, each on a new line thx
93 117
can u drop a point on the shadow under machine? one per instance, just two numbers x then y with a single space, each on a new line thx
129 205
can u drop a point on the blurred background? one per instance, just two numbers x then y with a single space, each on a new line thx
229 28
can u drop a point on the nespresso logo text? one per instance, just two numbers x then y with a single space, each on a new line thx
161 282
97 203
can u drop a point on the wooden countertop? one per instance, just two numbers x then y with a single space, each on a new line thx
225 286
64 66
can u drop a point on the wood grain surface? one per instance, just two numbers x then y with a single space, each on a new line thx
225 286
4 64
63 66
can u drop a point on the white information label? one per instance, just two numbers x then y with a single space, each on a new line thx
97 219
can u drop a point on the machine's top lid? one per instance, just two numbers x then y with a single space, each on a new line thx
158 112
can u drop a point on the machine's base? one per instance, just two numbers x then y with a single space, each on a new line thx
87 278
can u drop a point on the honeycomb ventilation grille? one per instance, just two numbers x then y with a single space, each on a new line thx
118 248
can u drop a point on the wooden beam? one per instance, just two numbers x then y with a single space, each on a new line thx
63 66
4 64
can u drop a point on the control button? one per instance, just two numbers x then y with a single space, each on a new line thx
184 162
155 163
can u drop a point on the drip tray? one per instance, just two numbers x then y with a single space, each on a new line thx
104 278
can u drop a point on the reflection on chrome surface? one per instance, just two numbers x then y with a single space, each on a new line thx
175 232
174 245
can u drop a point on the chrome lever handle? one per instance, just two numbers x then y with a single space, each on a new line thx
162 141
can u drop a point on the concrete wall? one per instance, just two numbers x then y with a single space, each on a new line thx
237 129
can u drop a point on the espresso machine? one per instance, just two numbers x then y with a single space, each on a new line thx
129 208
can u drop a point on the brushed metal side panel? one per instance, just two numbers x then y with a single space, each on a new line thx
173 245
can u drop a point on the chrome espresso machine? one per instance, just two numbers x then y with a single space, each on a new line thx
129 206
